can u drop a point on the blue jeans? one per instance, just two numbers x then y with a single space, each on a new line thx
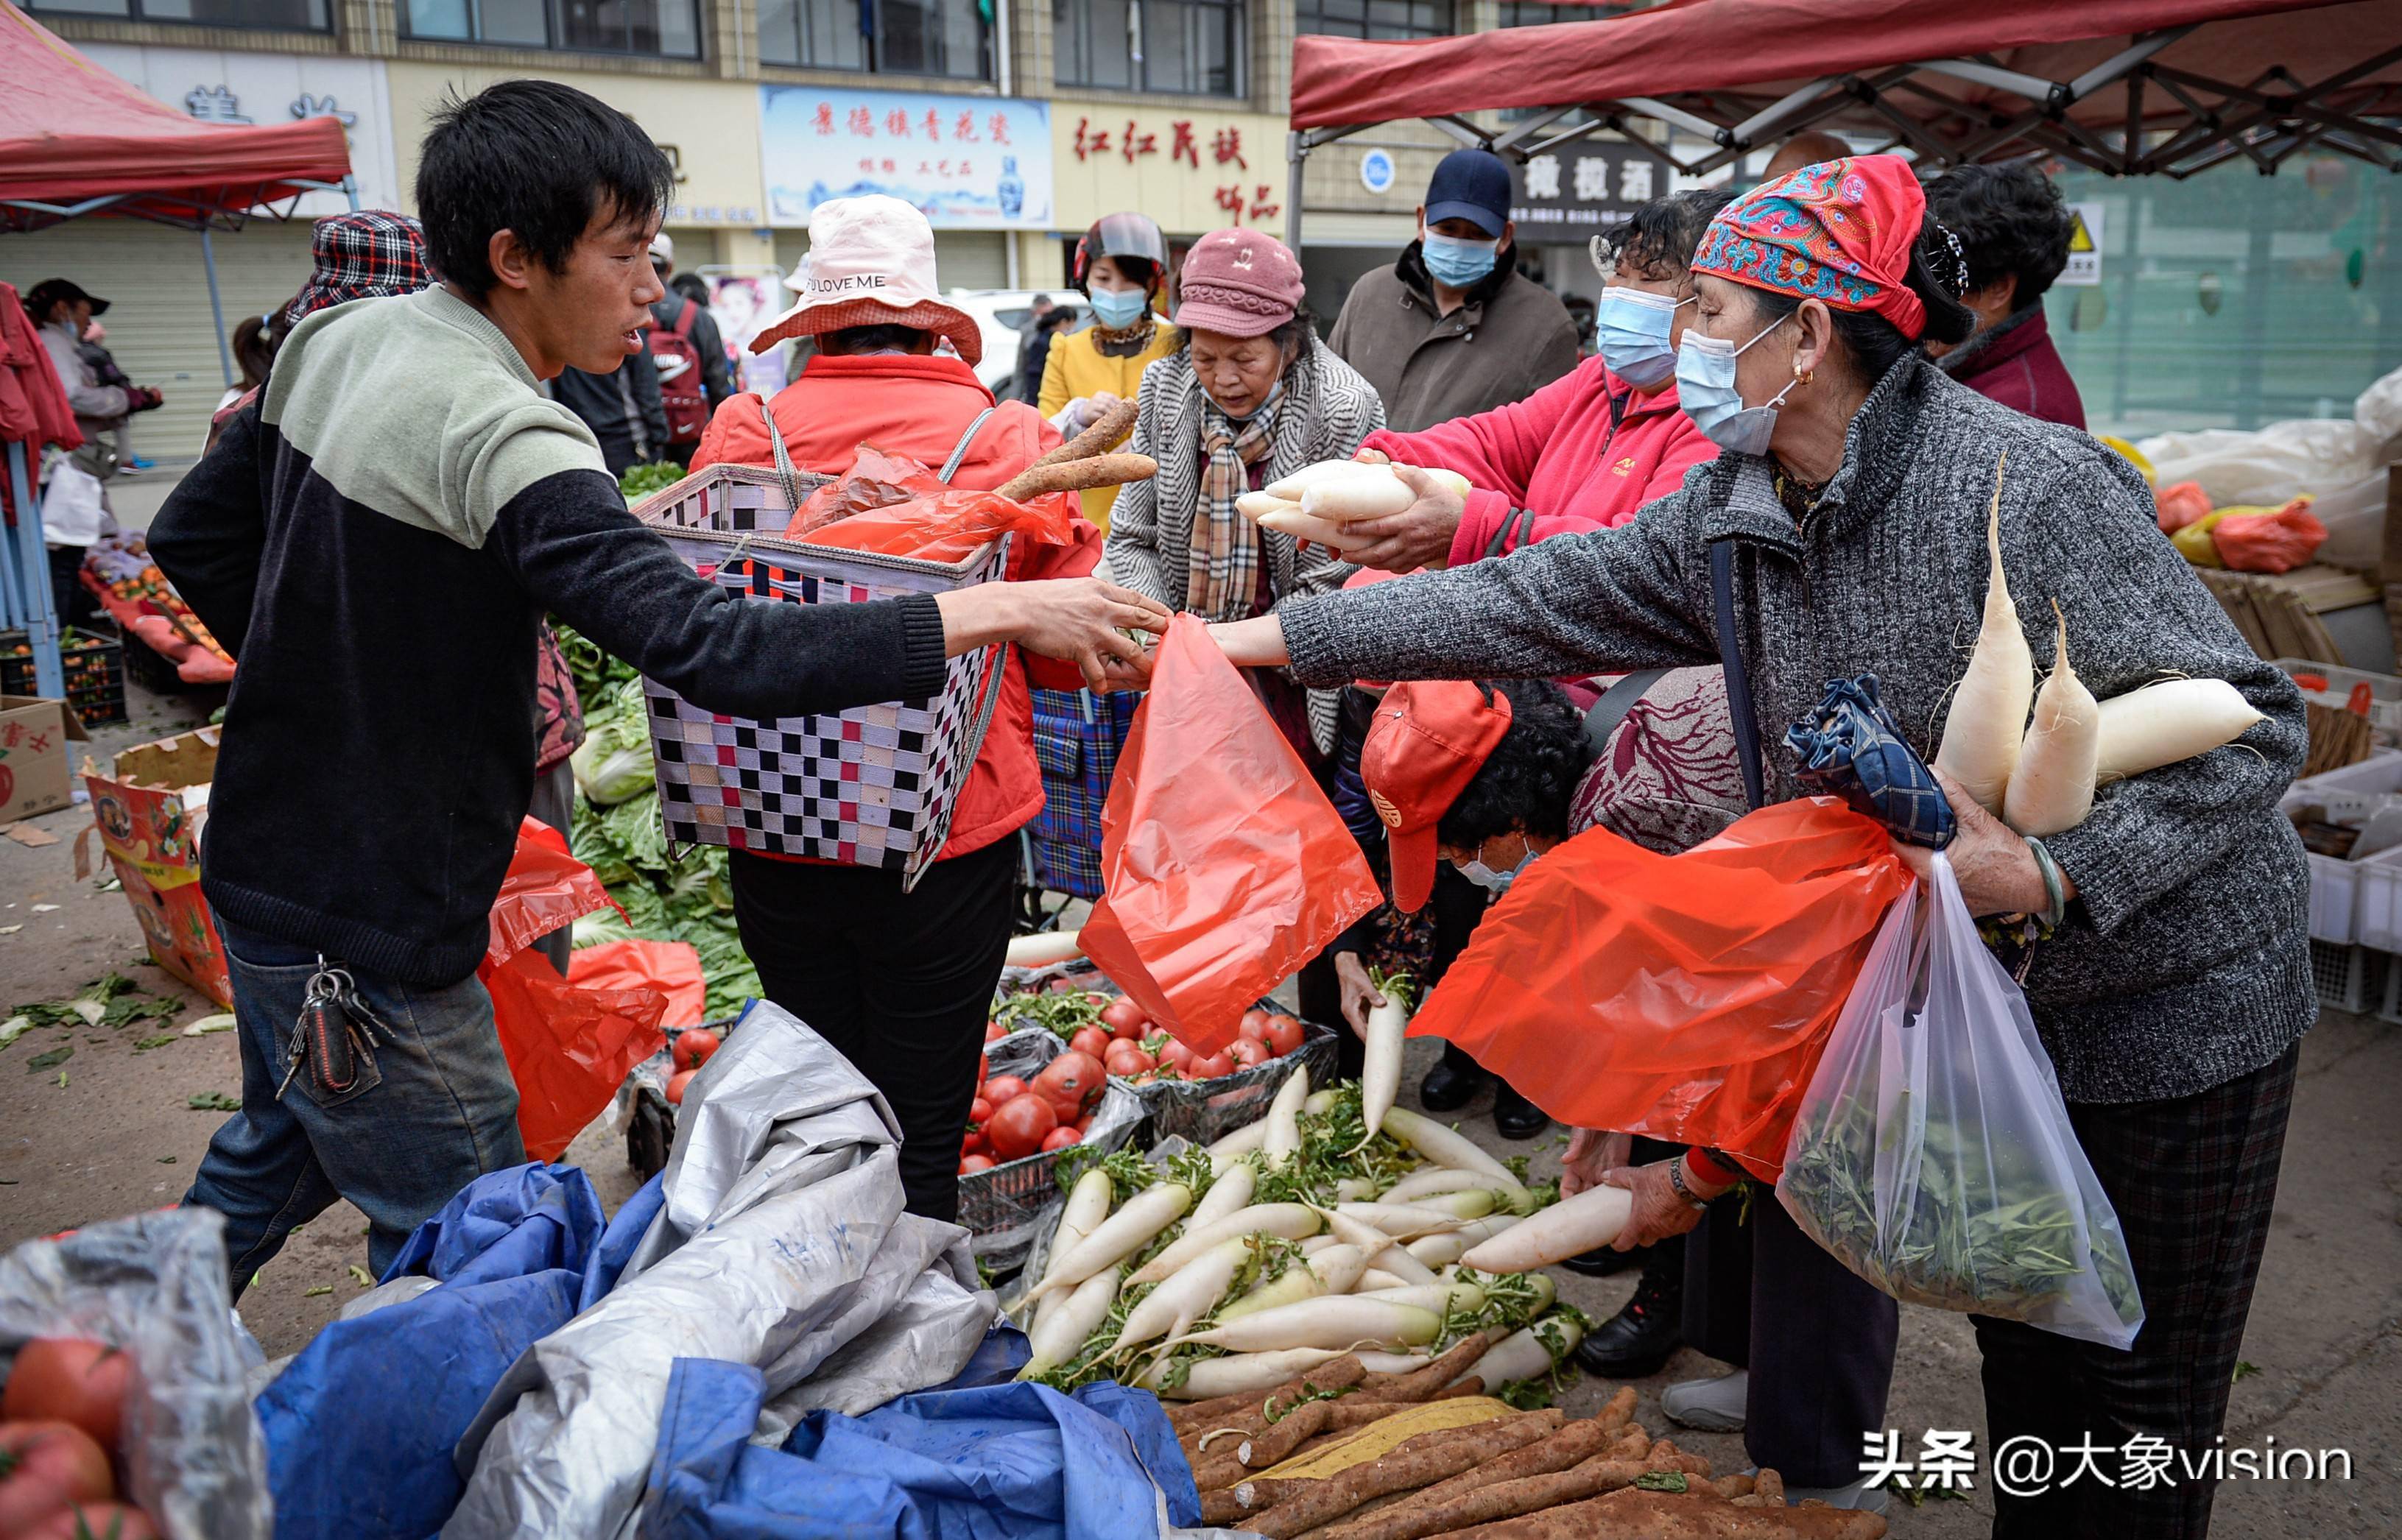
437 1110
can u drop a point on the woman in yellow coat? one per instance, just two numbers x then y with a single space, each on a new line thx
1122 269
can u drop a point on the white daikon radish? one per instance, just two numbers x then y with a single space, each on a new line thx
1358 497
1380 1074
1445 1249
1357 1189
1252 505
1044 948
1464 1299
1087 1205
1403 1222
1230 1194
1288 1221
1292 488
1522 1354
1357 1232
1335 1322
1989 709
1317 531
1336 1269
1430 1180
1119 1236
1318 1243
1320 1101
1450 481
1241 1142
1284 1119
1184 1297
1441 1145
1236 1374
1569 1227
2163 724
1396 1261
1056 1335
1395 1363
1376 1277
2052 788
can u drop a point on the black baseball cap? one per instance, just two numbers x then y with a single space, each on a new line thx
1470 184
49 291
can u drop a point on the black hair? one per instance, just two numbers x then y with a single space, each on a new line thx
692 286
1659 237
537 158
2011 220
1060 319
1142 269
881 338
1874 344
1530 779
255 341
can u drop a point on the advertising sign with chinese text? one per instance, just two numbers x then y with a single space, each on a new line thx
1193 172
967 162
1581 188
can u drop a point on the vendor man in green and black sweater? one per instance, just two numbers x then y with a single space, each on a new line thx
376 538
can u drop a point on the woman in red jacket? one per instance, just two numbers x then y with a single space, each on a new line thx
902 983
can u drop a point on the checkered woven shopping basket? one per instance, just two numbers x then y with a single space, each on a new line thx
873 785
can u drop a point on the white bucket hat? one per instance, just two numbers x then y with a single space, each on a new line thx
871 263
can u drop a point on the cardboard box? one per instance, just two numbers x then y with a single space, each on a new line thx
36 772
149 809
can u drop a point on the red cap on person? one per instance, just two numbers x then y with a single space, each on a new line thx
1427 741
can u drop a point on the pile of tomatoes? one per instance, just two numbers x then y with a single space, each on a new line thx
692 1048
62 1418
1013 1118
1131 1048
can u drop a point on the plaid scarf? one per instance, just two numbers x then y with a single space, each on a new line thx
1225 549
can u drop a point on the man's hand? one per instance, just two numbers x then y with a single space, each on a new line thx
1591 1152
1993 865
1254 644
1073 618
1360 995
1420 535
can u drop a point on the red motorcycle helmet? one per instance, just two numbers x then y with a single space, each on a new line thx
1122 235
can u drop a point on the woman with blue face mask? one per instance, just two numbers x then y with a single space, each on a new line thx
1121 268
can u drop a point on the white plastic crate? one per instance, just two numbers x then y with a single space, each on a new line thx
2350 795
2347 976
2385 691
2377 900
2352 792
2391 1010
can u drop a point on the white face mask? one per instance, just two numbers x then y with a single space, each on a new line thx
1494 881
1705 388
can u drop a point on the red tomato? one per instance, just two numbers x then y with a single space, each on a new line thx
1124 1018
1210 1068
1143 1079
1063 986
1019 1126
1002 1089
969 1165
95 1522
1284 1034
994 1032
1172 1053
1254 1025
1092 1040
1060 1138
970 1142
676 1082
1071 1083
693 1047
47 1466
1247 1051
984 1067
979 1112
70 1379
1125 1058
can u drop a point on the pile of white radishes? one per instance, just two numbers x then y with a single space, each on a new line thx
1281 1261
2040 775
1316 503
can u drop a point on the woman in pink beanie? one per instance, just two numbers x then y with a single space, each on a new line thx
1250 397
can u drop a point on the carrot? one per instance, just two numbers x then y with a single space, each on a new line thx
1428 1457
1104 431
1076 475
1989 709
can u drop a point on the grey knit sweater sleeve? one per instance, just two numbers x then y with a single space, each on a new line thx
1601 602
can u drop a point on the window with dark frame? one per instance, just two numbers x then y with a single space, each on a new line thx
668 29
952 38
251 15
1380 20
1186 47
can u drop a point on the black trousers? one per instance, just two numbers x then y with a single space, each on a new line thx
2193 1180
1457 905
901 983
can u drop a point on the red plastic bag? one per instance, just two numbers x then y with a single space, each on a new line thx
2179 503
1225 866
671 968
1686 996
569 1048
953 525
2270 543
874 480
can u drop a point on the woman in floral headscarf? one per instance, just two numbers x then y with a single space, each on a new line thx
1841 532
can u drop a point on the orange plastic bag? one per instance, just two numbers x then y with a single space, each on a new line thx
569 1048
953 525
671 968
876 480
1686 996
2270 543
2179 503
1225 866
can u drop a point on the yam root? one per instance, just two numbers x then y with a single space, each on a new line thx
1630 1514
1768 1486
1420 1384
1428 1458
1518 1482
1200 1416
1078 476
1104 432
1215 1471
1734 1486
1286 1437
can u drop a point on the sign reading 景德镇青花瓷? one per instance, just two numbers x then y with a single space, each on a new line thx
967 162
1574 191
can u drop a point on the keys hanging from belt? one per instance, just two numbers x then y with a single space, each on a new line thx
335 1035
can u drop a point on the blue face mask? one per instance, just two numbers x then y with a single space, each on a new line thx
1459 264
1705 388
1118 308
1634 326
1494 881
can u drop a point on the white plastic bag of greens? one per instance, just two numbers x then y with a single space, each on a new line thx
613 765
1932 1154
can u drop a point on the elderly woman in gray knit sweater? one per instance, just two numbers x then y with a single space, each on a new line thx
1853 498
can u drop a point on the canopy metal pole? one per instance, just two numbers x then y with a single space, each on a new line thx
33 568
1296 154
216 305
351 190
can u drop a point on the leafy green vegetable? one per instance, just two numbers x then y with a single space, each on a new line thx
1661 1480
1063 1014
41 1062
640 481
614 762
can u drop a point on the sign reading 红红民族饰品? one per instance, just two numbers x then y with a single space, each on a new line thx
966 162
1581 188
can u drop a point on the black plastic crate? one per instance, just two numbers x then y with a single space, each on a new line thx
94 666
153 672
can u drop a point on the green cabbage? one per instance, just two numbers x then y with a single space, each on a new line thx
613 764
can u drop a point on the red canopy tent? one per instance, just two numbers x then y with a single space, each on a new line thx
2125 87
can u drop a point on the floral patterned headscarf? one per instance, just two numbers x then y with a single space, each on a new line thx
1838 231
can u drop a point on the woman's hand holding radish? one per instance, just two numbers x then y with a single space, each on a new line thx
1996 871
1373 457
1592 1153
1660 1210
1419 536
1359 993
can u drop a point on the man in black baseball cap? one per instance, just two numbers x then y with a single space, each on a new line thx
51 291
1451 329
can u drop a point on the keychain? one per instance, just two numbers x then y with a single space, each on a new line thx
335 1031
